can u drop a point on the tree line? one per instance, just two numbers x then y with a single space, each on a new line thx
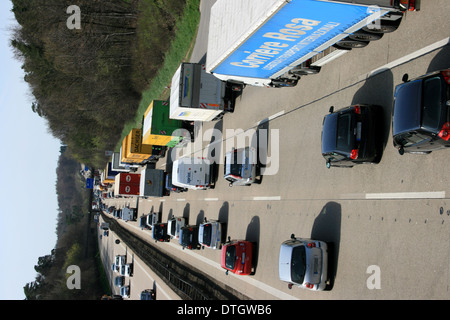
75 245
87 82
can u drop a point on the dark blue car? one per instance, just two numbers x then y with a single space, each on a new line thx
350 136
421 117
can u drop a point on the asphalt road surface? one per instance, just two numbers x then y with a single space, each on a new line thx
388 221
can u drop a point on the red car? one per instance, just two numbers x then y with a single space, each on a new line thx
237 257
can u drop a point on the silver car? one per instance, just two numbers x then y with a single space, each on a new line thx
210 234
304 263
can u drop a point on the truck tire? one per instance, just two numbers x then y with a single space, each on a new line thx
283 83
365 36
348 43
384 25
305 71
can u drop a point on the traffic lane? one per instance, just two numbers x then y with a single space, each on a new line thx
308 184
419 29
105 246
201 42
207 260
393 235
143 277
299 148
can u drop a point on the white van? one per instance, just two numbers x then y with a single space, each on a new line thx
240 166
192 173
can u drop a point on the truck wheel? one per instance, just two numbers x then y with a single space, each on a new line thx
366 36
383 25
305 71
381 29
282 83
350 44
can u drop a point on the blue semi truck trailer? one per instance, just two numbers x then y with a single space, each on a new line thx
272 43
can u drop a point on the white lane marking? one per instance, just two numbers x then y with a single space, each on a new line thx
274 198
181 199
211 199
276 115
407 195
408 57
273 291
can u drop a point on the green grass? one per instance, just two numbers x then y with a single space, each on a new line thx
180 50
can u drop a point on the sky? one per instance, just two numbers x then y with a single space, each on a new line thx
28 160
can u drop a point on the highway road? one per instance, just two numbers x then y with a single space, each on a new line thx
388 221
142 278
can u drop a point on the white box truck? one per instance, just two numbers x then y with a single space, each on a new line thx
199 96
272 43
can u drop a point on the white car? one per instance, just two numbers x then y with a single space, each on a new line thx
174 226
304 263
120 260
125 291
126 269
210 234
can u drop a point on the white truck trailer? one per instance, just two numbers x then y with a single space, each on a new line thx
272 43
199 96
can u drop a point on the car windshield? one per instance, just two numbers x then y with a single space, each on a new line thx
159 231
207 229
233 168
411 138
173 227
186 236
298 264
230 257
432 105
345 136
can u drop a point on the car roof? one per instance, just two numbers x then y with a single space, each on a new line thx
329 132
407 107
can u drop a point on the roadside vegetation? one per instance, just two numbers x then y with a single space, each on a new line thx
93 85
88 83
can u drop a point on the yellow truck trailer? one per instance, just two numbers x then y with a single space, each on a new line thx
133 151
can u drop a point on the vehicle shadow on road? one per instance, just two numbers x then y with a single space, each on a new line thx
252 235
262 143
186 212
215 150
440 61
327 227
223 218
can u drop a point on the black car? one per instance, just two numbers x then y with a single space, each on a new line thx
421 117
350 136
189 237
159 232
